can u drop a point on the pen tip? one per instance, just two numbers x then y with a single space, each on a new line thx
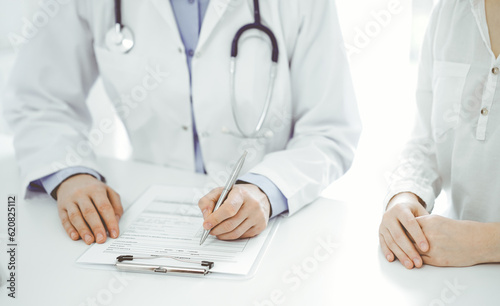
204 237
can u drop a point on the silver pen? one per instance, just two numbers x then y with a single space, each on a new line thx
227 189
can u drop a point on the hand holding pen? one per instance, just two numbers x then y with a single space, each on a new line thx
235 211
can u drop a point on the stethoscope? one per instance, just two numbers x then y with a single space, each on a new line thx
121 39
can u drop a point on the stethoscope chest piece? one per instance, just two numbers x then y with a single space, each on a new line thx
120 39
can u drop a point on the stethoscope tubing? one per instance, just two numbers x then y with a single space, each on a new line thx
124 41
256 25
118 12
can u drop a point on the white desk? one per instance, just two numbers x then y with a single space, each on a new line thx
355 273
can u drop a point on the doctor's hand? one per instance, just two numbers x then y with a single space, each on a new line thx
245 213
400 234
455 243
87 207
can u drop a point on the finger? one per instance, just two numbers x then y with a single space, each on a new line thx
429 260
402 240
238 232
422 254
107 212
77 220
259 224
421 211
410 237
207 203
228 225
385 249
231 224
116 202
93 219
254 231
66 223
394 247
228 209
415 231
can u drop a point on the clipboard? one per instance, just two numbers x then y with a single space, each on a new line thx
160 262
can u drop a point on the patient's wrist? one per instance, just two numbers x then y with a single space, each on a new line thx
405 197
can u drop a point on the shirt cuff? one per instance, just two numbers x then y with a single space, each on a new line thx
426 194
50 182
279 203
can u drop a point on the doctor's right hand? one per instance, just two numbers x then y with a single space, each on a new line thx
400 233
87 207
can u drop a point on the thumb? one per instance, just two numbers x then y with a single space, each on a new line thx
421 219
207 203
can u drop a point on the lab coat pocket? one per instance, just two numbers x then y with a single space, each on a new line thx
448 81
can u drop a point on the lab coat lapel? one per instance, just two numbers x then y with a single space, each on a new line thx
215 11
164 8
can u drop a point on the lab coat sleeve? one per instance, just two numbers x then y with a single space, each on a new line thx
417 169
325 115
52 181
44 101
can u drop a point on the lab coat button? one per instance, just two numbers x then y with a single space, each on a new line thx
185 127
269 134
484 112
225 130
495 70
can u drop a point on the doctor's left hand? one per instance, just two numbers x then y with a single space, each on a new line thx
245 213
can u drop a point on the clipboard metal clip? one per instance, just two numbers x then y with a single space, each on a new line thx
122 264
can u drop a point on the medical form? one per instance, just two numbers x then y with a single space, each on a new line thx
166 221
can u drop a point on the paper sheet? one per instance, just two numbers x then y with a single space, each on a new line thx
167 221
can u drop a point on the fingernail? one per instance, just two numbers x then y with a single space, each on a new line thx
408 264
113 234
204 212
73 235
388 257
207 226
417 261
88 239
117 217
100 237
423 246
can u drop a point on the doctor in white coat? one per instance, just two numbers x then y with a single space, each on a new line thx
172 92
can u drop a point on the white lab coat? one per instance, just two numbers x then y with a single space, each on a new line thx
308 139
